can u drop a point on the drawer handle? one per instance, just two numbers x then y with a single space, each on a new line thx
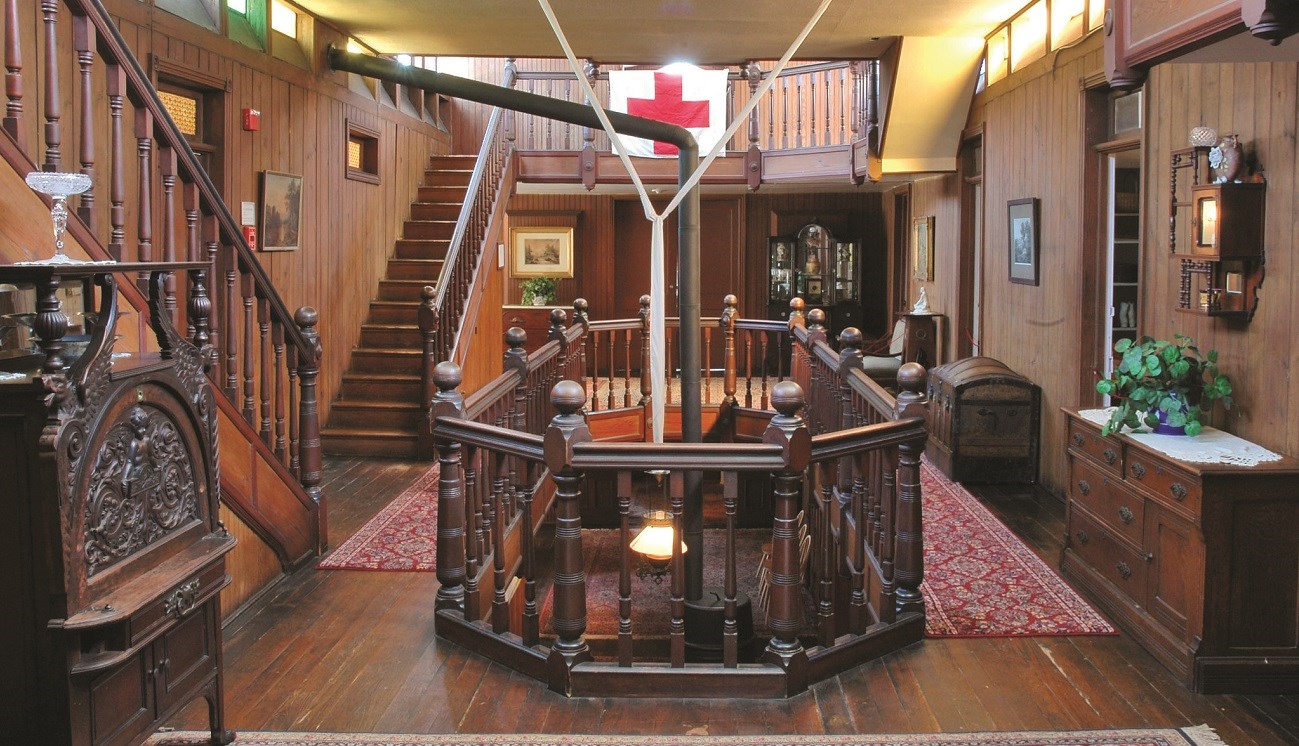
1083 538
1110 456
1124 570
181 601
1125 514
1083 487
1138 470
1079 440
1179 491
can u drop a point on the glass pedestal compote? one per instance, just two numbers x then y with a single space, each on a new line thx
60 186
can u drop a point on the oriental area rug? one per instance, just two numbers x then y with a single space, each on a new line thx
1197 736
980 579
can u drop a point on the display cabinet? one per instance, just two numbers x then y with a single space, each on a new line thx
821 269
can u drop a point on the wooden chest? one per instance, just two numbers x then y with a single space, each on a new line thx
1198 562
983 422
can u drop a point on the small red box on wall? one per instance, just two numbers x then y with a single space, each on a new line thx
252 120
250 236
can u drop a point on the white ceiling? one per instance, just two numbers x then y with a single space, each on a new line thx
654 31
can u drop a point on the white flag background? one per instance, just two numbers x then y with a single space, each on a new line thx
678 94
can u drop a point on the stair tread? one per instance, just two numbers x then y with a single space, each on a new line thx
368 432
395 351
381 377
384 404
405 281
389 327
395 303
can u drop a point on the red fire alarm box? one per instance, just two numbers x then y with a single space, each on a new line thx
252 120
250 236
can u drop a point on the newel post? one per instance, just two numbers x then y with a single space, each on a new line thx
428 329
309 421
909 561
727 323
796 306
580 316
449 404
644 315
566 430
753 156
785 609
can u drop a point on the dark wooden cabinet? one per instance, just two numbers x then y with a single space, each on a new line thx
819 268
1199 562
113 550
984 421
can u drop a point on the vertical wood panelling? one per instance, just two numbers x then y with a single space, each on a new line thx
593 245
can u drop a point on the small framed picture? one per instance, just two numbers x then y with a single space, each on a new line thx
541 252
922 248
1022 240
281 212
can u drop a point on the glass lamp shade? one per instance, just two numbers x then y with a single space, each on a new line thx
1203 136
654 542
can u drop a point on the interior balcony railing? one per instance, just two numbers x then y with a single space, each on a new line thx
840 464
95 111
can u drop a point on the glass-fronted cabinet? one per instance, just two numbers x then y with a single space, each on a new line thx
818 267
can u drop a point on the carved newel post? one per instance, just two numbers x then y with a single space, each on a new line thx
785 609
450 404
910 559
815 325
566 430
644 315
727 323
796 306
309 421
427 319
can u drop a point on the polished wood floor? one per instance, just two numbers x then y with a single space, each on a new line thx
355 651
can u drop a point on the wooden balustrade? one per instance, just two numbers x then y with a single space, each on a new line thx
178 215
842 459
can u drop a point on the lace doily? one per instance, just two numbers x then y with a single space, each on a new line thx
1211 446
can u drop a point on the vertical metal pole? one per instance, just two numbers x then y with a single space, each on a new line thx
688 339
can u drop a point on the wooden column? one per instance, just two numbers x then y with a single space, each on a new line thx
785 609
727 323
53 98
566 430
83 39
753 156
645 387
450 404
428 329
309 422
910 558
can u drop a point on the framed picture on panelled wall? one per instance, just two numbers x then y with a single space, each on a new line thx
281 212
922 248
541 252
1023 247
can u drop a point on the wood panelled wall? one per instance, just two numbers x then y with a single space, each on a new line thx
349 228
854 215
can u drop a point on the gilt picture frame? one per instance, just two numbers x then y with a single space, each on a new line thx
1023 244
922 248
281 212
541 252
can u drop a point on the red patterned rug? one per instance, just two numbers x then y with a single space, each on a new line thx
1197 736
980 579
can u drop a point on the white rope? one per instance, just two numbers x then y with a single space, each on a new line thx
658 383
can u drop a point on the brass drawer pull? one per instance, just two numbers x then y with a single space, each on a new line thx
1083 538
1125 514
1078 439
181 601
1138 470
1124 570
1083 487
1110 456
1179 491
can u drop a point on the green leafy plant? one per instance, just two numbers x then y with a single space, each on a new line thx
1155 375
538 287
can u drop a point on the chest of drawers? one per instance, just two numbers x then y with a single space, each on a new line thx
1198 562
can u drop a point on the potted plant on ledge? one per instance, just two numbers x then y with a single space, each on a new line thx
1166 386
538 291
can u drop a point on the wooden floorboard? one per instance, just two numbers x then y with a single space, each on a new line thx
355 651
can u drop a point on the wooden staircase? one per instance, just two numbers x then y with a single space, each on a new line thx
377 412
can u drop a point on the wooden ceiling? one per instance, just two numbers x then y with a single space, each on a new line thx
654 31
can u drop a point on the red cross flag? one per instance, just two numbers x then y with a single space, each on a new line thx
678 94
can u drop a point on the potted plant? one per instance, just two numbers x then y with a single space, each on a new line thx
538 291
1166 386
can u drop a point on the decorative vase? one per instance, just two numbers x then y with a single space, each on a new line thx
1163 428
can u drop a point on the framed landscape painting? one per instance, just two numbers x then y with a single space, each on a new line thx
281 227
1022 233
541 252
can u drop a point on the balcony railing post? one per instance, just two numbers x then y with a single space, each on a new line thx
566 430
909 558
753 155
644 316
450 404
428 329
727 323
577 370
309 422
785 609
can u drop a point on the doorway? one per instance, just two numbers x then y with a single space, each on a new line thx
969 322
1123 250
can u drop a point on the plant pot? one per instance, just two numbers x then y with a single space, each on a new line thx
539 300
1163 428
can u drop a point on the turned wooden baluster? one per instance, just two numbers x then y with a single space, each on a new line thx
264 368
624 570
500 577
13 74
595 371
450 404
295 466
910 558
232 327
428 329
730 627
613 368
198 311
626 367
210 231
83 40
748 368
473 533
250 413
567 429
677 626
849 485
785 608
281 438
753 156
645 388
167 167
116 87
309 422
52 104
708 365
144 198
580 316
189 203
50 324
727 323
784 118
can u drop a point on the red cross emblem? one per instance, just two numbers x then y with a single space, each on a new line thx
668 106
